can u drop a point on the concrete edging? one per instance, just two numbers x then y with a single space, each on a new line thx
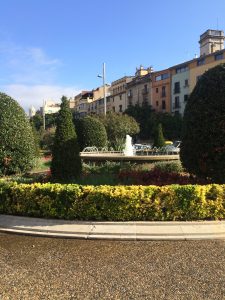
137 230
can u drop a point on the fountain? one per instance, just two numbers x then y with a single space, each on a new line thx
128 151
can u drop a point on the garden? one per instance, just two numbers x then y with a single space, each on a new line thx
55 183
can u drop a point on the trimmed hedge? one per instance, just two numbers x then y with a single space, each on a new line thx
120 203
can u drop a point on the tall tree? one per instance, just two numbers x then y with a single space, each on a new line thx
66 162
203 141
159 140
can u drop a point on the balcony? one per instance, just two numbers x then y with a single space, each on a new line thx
129 95
145 91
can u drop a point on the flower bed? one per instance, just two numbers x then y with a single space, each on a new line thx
119 203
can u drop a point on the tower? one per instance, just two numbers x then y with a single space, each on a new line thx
211 41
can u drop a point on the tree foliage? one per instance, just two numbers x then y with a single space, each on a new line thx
17 145
90 132
66 162
145 117
149 120
172 125
117 127
203 142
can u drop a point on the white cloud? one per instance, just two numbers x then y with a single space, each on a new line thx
33 95
27 65
29 75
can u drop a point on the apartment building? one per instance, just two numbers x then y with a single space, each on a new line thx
186 75
49 107
199 66
118 94
165 90
96 106
161 87
180 87
81 102
139 87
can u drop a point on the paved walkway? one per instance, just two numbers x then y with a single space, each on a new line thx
113 230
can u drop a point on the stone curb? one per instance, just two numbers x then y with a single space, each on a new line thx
135 231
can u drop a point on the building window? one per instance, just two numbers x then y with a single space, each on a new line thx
156 90
113 108
185 98
201 61
162 76
186 84
177 87
165 76
218 56
157 103
163 104
129 93
120 97
120 108
182 69
177 102
163 91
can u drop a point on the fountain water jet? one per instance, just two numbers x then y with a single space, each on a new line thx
128 151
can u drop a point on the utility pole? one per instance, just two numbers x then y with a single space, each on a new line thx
43 113
104 91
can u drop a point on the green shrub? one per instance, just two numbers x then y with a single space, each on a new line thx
203 141
17 145
113 203
169 167
91 132
66 162
159 140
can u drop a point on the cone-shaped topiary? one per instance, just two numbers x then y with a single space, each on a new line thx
17 148
66 162
91 132
203 141
159 140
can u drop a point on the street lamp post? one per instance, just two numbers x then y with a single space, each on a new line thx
104 92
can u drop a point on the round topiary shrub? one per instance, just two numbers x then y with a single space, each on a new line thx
17 146
203 142
91 132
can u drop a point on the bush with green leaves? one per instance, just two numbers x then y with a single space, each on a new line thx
114 203
203 141
17 145
66 162
90 132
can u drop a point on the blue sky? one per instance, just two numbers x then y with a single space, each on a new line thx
54 47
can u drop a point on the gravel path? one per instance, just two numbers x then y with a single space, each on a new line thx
45 268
